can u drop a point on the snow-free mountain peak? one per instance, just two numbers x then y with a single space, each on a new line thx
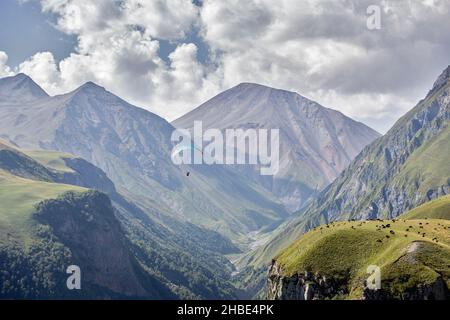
252 86
256 86
97 102
19 77
90 85
20 88
442 80
316 143
90 89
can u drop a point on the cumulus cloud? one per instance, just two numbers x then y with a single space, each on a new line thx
43 69
166 19
324 50
4 69
319 48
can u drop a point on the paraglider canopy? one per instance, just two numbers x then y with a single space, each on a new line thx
182 148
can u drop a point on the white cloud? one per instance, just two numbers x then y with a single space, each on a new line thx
42 68
323 50
4 69
165 19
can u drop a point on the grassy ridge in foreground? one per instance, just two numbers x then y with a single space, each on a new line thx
344 250
410 252
18 198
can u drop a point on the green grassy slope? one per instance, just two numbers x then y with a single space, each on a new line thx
343 250
51 159
18 199
46 225
24 183
436 209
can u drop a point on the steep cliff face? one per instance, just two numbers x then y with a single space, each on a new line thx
86 225
75 228
308 286
87 175
436 290
403 169
301 286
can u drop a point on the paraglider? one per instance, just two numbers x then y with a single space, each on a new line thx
183 148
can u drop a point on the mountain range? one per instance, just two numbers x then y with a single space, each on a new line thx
180 226
133 147
87 167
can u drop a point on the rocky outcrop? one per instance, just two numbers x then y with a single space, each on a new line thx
300 286
77 228
87 175
436 290
312 286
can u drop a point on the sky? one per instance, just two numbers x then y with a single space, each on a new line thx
169 56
